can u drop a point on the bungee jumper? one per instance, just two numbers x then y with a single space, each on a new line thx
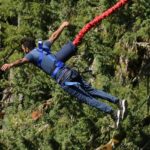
69 79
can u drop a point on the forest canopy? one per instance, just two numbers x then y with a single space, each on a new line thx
114 56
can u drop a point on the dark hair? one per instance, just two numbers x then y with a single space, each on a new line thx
28 42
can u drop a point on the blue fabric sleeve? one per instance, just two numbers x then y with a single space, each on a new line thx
67 51
29 56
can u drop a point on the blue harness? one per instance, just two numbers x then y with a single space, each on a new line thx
57 64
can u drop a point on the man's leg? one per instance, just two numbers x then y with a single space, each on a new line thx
84 97
122 104
98 93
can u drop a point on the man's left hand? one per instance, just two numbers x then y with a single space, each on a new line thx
65 24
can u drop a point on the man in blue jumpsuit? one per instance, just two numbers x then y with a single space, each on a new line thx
69 79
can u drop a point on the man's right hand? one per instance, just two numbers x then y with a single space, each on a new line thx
6 67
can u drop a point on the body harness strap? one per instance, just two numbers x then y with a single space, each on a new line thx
40 49
58 64
71 83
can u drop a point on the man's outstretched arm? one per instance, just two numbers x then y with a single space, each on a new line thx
18 62
57 33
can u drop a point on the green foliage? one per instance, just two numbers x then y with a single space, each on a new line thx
68 124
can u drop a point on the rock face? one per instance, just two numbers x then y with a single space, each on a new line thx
133 67
131 64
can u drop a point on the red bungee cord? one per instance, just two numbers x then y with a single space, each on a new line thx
96 20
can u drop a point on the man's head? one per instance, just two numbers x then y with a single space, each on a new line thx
27 44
